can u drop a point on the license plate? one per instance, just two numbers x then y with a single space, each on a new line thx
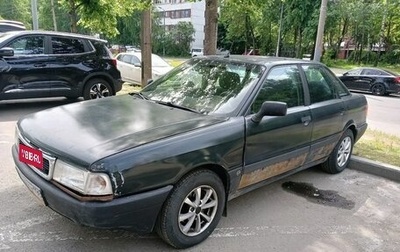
31 156
33 188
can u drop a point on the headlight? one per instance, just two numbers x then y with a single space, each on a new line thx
85 182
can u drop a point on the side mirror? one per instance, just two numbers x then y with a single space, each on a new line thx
137 64
6 52
270 108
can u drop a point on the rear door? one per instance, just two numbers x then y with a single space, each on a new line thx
70 61
277 145
25 75
327 110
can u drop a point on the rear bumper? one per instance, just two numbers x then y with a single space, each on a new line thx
136 212
118 85
360 131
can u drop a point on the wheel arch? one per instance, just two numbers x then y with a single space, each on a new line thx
351 126
102 76
221 172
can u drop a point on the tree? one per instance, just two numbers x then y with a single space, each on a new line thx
99 16
18 10
210 27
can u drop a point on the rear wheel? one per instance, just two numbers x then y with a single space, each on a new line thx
97 88
193 209
378 89
340 156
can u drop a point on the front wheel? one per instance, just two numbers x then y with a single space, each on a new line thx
340 156
97 88
193 209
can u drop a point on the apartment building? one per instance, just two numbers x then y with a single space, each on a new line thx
174 11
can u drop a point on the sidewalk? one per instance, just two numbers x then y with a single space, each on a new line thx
376 168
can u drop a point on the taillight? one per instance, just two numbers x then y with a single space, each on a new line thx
397 80
114 62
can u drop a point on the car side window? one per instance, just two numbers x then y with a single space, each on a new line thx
371 72
319 84
135 60
283 84
126 58
28 45
67 45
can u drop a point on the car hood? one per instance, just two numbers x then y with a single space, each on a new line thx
85 132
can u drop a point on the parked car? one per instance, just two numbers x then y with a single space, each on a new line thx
197 52
374 80
130 66
170 157
36 64
11 25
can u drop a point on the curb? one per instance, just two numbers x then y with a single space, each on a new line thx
376 168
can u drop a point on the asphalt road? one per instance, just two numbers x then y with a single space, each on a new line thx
383 113
351 211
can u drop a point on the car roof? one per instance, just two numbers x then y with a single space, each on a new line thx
374 68
50 33
264 60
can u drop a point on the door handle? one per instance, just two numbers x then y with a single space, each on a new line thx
39 65
306 120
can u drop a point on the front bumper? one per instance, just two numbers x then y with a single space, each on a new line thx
136 212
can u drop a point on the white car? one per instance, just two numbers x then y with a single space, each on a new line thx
129 64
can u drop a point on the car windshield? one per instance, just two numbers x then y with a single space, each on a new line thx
206 86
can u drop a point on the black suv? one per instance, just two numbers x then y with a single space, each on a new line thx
36 64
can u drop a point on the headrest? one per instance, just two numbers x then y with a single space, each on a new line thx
229 80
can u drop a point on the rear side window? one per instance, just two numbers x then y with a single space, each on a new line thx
101 49
67 45
28 45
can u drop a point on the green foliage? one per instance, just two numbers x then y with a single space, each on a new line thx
18 10
178 40
100 16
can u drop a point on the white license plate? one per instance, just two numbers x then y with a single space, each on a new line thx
33 188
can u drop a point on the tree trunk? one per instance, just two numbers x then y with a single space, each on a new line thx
382 32
146 47
210 27
343 33
54 15
73 17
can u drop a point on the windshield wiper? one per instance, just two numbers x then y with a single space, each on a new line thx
174 105
141 95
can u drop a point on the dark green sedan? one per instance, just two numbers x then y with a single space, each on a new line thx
170 157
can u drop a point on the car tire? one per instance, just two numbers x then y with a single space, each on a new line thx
97 88
184 221
378 89
340 156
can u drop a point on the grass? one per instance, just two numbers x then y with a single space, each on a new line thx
379 146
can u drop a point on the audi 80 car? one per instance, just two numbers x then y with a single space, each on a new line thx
169 158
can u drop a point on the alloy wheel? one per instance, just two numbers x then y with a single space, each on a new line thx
198 210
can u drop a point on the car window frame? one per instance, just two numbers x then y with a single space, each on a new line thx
264 81
14 38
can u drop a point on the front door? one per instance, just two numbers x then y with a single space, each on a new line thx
277 145
26 70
